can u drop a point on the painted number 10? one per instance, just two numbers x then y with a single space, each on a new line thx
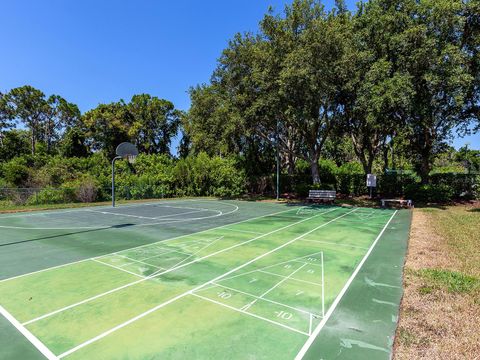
283 315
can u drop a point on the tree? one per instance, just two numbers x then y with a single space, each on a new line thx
107 126
154 122
431 50
5 122
61 116
28 105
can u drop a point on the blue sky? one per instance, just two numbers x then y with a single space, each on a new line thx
93 52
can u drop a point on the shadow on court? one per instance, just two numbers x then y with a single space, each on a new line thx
119 226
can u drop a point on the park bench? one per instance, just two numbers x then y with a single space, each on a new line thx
322 195
401 202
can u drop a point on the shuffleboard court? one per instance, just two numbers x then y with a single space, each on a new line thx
202 279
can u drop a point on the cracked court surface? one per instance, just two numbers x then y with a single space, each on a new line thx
243 281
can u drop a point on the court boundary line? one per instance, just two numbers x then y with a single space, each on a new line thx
171 221
112 266
250 314
256 296
140 246
186 293
276 264
28 335
274 286
339 297
291 278
336 244
159 273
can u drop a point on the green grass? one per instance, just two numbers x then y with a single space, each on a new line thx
452 281
459 226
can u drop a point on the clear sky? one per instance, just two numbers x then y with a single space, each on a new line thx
93 52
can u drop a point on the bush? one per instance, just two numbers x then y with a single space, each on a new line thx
87 191
429 193
52 196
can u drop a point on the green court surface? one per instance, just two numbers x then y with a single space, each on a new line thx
201 279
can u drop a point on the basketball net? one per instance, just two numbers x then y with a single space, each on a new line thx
131 158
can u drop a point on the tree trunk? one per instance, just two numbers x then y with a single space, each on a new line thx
32 142
314 170
425 166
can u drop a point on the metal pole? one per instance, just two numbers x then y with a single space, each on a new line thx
113 179
278 161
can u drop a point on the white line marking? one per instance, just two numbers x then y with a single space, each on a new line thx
243 231
336 244
118 214
144 245
276 264
291 278
181 214
255 296
323 288
137 261
251 314
197 252
156 274
113 266
285 278
140 316
172 221
30 337
310 325
330 311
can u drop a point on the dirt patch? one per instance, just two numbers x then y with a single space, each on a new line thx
434 323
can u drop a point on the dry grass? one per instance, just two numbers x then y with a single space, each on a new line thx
440 311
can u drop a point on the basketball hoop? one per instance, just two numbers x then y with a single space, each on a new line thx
131 158
125 151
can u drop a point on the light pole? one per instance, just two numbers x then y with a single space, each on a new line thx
113 178
278 159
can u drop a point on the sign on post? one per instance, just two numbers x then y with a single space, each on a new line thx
371 182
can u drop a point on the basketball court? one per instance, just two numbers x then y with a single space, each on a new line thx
200 278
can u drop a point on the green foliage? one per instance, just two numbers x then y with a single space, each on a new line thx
428 193
452 281
16 172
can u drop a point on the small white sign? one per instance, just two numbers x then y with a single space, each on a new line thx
371 180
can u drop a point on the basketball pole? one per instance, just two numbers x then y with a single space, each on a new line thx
113 178
278 161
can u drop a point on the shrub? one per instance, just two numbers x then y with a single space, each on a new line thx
429 193
87 191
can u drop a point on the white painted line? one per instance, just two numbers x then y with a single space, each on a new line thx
181 214
140 246
113 266
277 285
197 252
118 214
140 316
172 221
330 311
310 325
258 298
137 261
30 337
243 231
156 274
276 264
251 314
336 244
323 288
292 278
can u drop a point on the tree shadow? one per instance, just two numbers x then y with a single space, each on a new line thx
119 226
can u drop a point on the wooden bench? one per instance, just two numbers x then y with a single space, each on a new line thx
401 202
322 195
